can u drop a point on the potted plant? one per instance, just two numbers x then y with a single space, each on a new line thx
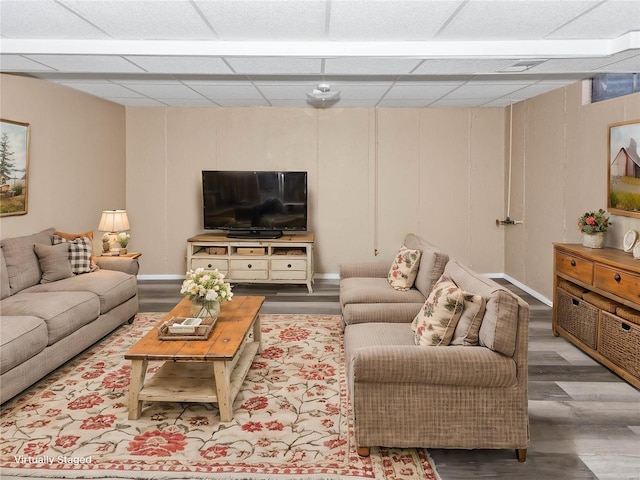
123 240
593 226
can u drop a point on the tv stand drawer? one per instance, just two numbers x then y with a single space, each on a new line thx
210 264
250 264
287 264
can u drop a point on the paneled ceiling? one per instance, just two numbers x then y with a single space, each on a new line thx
391 53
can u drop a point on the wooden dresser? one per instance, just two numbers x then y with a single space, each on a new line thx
596 305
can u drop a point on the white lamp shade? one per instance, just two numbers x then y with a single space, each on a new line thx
114 221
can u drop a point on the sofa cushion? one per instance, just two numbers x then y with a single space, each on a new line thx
80 253
404 269
111 287
468 328
500 322
436 321
432 263
5 291
63 312
23 267
54 262
386 353
22 338
375 290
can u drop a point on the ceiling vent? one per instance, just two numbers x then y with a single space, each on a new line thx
322 96
522 65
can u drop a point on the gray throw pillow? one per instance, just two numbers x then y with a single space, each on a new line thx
54 262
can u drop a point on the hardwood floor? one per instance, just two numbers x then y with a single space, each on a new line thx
584 420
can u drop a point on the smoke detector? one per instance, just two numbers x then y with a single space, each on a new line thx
322 96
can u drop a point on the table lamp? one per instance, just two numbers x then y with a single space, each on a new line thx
113 222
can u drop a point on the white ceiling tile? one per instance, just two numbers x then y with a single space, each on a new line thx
232 92
390 20
508 19
174 64
275 65
101 89
242 103
608 20
285 92
187 102
369 66
461 66
631 64
419 92
18 63
483 90
350 91
144 19
123 66
136 102
160 91
86 63
43 19
259 19
458 103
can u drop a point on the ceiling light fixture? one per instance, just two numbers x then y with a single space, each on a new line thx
322 96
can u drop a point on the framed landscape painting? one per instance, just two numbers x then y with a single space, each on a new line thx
14 165
624 169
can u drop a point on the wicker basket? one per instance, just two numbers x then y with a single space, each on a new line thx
593 240
619 342
577 317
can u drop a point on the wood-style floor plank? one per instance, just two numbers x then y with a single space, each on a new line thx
584 420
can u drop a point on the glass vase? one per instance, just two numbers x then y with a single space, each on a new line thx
201 308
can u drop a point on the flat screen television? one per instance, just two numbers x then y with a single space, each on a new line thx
254 204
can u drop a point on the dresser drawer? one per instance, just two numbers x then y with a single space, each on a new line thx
210 264
284 264
620 283
575 267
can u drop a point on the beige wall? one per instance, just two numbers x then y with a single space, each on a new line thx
559 172
77 155
374 176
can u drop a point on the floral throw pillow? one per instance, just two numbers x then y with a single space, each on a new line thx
436 321
404 269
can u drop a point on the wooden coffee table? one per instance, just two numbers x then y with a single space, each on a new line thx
198 370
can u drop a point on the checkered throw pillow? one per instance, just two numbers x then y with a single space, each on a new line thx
80 252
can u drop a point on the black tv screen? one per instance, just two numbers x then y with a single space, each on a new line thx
254 204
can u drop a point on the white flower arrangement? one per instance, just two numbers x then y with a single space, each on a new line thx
206 286
123 239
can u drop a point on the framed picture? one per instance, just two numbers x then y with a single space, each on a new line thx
624 169
14 167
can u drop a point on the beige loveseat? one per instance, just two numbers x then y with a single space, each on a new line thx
455 396
45 321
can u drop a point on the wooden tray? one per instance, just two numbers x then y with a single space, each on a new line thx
201 332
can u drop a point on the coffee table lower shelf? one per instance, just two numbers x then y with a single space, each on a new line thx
216 381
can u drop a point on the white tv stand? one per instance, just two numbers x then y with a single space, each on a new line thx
288 259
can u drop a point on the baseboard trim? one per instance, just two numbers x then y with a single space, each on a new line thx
336 276
530 291
160 277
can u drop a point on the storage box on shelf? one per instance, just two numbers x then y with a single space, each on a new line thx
597 305
288 259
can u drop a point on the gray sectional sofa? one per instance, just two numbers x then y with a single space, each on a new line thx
470 394
48 314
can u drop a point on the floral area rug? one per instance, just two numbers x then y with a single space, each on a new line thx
291 418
